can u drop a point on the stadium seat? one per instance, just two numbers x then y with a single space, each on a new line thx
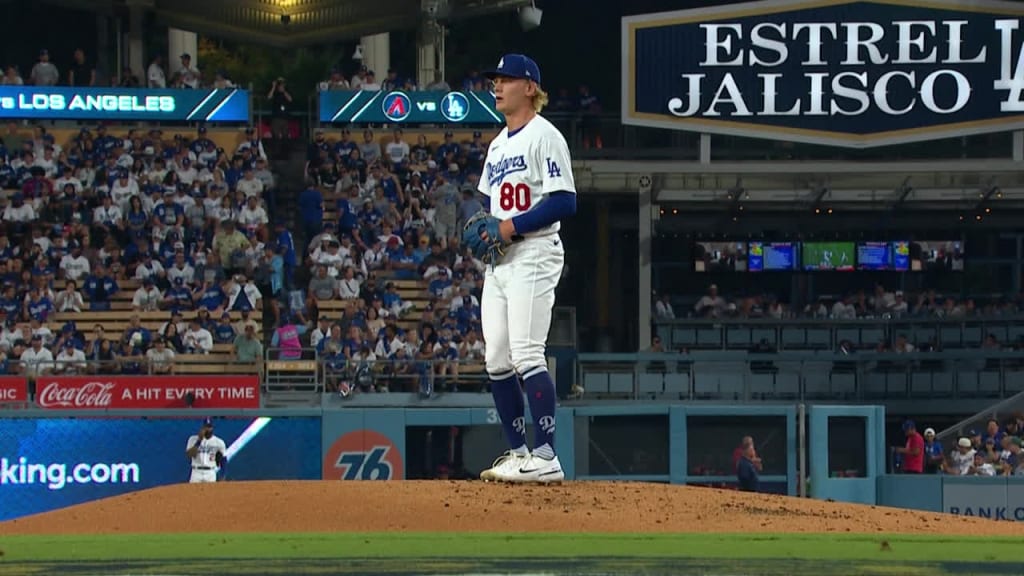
650 384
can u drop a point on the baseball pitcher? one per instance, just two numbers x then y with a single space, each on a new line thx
528 188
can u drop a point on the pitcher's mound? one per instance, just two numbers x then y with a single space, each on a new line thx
430 506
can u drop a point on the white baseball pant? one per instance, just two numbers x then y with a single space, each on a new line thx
518 296
200 476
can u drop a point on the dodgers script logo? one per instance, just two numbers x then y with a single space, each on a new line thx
497 171
363 455
847 72
396 106
455 106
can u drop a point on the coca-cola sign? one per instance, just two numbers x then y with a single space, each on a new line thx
88 395
146 392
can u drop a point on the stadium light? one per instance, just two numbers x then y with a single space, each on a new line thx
529 17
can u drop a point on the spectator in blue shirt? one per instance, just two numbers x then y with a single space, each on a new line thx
131 359
211 296
311 211
406 264
993 434
224 332
144 335
347 219
39 306
449 146
178 296
170 213
440 283
235 172
99 288
933 454
746 471
9 303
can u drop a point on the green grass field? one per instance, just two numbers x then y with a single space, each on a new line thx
345 553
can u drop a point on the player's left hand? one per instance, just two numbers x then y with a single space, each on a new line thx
483 235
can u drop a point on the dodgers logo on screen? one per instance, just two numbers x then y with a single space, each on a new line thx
363 455
396 106
455 106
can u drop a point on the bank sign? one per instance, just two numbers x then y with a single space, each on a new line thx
838 72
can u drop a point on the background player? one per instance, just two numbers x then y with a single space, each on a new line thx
528 184
206 452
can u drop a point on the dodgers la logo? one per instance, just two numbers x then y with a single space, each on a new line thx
455 106
397 106
501 64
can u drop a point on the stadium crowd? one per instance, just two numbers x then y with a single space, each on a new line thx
879 302
994 451
178 217
399 208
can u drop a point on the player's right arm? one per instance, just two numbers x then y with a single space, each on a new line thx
192 446
484 186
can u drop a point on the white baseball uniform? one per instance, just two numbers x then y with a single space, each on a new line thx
519 292
204 463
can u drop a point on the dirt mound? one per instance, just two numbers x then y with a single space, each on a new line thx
322 506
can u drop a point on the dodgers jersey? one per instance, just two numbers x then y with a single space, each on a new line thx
206 457
521 169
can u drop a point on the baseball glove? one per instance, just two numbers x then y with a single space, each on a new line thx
489 250
219 457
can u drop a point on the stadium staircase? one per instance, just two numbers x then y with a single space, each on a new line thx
290 168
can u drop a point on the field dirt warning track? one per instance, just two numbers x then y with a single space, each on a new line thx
431 506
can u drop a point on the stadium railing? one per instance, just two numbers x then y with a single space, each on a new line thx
741 376
827 334
204 364
1001 412
624 142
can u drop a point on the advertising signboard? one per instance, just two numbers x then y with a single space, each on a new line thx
146 392
64 103
398 107
50 463
840 72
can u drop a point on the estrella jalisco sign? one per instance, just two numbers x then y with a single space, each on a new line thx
839 72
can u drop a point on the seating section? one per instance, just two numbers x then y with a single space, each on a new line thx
147 194
390 214
119 318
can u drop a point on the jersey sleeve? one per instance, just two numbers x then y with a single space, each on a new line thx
555 165
484 187
191 440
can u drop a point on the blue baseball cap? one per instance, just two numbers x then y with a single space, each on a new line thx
516 66
208 422
908 425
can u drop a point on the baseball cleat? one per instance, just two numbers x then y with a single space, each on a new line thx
505 466
537 469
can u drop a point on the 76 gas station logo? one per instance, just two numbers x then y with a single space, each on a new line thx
363 455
